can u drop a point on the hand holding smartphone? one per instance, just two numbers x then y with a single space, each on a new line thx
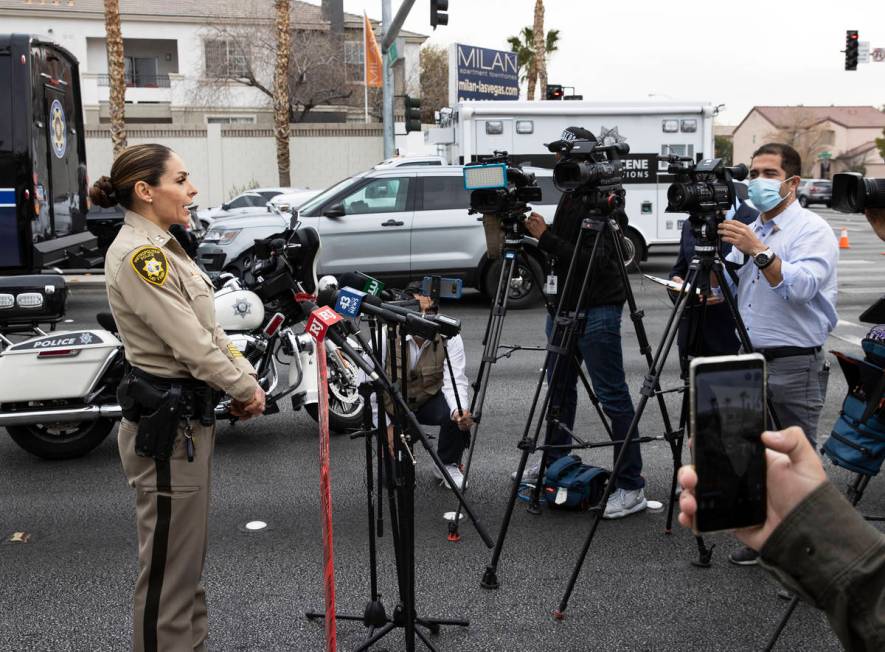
728 413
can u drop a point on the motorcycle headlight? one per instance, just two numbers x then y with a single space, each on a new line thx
221 236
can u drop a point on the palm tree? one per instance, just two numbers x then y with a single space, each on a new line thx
281 91
116 74
524 47
540 51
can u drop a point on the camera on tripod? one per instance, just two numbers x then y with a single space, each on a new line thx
586 164
854 193
500 188
704 190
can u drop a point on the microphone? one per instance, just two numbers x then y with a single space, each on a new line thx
350 303
324 322
341 342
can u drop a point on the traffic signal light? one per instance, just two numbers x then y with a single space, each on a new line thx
413 113
851 46
438 15
554 92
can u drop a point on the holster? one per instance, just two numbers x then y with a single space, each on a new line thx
157 405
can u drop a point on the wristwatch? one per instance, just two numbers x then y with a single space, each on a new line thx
764 258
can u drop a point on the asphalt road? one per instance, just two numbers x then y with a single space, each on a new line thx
70 587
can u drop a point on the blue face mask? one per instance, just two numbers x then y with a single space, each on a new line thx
766 193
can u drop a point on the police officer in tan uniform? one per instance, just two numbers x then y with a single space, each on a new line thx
179 361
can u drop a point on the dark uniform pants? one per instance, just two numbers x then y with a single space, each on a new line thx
172 509
452 440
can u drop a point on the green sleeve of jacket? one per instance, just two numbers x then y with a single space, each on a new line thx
827 553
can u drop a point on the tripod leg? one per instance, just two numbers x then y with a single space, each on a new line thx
648 389
677 460
491 340
490 578
375 637
527 444
783 623
636 316
424 640
594 399
370 498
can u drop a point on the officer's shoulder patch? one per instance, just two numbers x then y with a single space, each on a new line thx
150 264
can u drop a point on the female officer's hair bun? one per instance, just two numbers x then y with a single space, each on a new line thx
137 163
102 193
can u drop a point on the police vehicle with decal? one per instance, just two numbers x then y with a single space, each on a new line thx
43 183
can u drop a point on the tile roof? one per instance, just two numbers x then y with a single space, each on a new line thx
847 116
857 151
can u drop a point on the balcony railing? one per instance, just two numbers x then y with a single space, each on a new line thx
138 81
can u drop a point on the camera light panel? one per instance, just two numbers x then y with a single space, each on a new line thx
493 175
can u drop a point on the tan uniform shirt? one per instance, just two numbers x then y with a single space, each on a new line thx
165 310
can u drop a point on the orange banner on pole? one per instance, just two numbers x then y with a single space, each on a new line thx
372 56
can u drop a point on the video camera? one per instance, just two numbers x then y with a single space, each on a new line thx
587 164
500 188
854 193
704 190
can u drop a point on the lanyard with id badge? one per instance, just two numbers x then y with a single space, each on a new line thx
551 286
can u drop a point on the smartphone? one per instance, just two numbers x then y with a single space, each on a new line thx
727 397
449 288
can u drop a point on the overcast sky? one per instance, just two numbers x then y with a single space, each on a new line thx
739 54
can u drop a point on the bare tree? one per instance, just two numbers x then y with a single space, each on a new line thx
281 91
804 133
540 61
246 55
434 81
116 74
855 163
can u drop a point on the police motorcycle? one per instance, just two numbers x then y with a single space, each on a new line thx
58 388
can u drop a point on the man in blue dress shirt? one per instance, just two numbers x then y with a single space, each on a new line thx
786 291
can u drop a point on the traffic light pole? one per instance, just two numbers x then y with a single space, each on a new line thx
387 77
391 28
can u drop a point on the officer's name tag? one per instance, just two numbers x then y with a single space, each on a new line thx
550 287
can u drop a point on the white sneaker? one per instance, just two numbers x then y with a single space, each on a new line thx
530 474
455 473
623 502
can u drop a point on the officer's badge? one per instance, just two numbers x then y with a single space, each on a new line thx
150 263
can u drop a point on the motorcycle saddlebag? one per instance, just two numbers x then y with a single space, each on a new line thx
61 365
39 298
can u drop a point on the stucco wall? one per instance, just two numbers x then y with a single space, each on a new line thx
749 136
220 161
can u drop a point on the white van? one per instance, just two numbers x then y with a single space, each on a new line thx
471 130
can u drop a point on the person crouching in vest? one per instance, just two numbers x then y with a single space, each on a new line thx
430 390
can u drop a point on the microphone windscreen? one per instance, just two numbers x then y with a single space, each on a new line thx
352 280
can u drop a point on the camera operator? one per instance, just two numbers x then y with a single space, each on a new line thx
431 393
715 326
599 343
786 291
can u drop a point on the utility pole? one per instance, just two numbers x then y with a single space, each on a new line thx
387 77
391 27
